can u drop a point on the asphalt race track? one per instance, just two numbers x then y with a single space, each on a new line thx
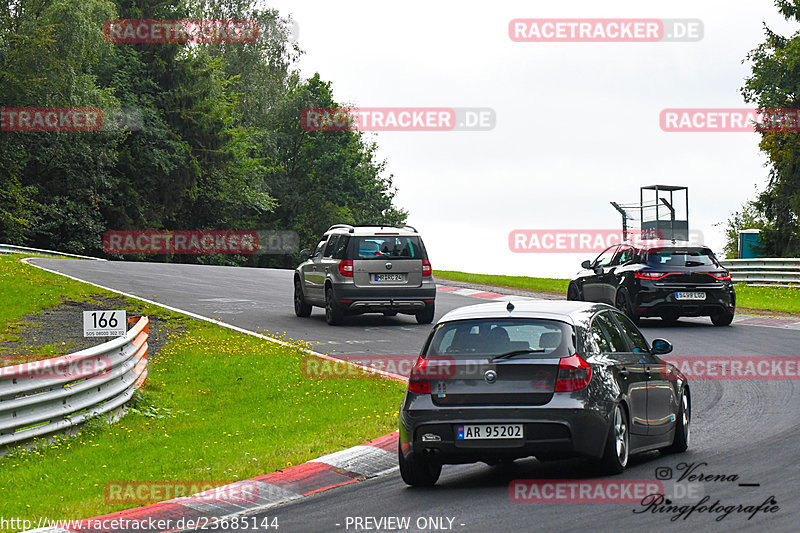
745 428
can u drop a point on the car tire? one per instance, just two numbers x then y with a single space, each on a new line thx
301 308
418 472
573 293
681 441
426 316
623 303
616 452
333 313
722 318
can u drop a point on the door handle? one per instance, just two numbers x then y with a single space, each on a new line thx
623 372
647 372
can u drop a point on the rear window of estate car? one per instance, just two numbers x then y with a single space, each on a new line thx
495 336
681 257
388 247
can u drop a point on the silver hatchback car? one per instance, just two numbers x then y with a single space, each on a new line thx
366 269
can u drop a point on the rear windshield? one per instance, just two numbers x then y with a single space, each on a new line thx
681 257
490 337
388 247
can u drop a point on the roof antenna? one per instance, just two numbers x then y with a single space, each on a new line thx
510 307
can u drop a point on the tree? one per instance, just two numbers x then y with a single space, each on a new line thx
775 84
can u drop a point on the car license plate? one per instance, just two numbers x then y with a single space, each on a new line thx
389 277
690 296
489 431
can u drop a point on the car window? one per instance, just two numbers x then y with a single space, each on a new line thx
341 247
494 336
388 247
333 241
638 341
616 340
623 255
605 258
681 257
319 248
597 339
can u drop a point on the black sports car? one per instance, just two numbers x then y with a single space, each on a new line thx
658 280
553 379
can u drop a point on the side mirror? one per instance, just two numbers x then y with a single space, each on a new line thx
661 347
586 264
305 254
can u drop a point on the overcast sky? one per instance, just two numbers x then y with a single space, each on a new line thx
577 123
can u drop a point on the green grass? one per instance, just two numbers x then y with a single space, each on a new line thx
514 282
218 406
783 299
780 299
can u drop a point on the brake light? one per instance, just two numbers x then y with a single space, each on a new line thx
719 277
426 268
346 268
653 275
573 374
416 381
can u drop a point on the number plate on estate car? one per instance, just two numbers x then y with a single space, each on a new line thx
690 296
489 431
389 277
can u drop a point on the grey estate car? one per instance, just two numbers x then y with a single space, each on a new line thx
366 269
550 379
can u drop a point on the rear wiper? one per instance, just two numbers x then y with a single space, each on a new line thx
693 263
514 353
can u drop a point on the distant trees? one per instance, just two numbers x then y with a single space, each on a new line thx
217 143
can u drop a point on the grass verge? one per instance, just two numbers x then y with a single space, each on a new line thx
551 285
218 406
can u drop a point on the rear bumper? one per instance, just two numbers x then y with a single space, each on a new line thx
378 299
652 300
547 432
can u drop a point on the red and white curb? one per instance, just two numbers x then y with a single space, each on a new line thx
374 458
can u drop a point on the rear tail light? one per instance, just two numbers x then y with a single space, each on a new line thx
346 268
426 268
573 374
653 275
720 276
417 382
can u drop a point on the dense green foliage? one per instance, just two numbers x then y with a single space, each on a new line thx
775 84
219 144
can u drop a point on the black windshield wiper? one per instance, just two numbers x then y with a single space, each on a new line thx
694 263
514 353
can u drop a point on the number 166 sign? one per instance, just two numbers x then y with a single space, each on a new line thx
104 323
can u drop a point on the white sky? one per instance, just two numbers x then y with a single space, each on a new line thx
577 123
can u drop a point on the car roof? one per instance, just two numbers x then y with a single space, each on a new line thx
665 245
571 312
367 231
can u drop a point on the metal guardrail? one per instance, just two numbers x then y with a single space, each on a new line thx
765 272
11 249
42 397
